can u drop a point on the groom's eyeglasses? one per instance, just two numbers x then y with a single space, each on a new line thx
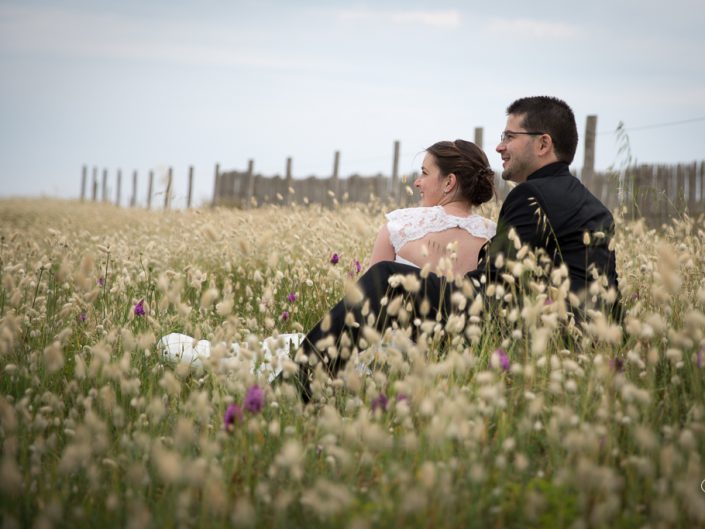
509 134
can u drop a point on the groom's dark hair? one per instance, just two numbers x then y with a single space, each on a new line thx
551 116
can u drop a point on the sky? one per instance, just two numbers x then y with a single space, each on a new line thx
136 85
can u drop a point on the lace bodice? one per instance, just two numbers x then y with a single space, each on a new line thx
409 224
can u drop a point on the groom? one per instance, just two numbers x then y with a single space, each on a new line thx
549 210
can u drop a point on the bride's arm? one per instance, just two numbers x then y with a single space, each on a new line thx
383 249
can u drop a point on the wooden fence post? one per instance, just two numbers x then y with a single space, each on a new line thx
249 184
94 188
589 155
167 194
133 198
190 186
84 177
679 197
395 171
334 184
648 191
690 199
623 185
104 191
676 188
119 188
655 202
381 187
234 186
665 187
479 136
216 186
636 191
287 197
633 201
672 187
150 189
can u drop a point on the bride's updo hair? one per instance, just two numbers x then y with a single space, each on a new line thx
470 166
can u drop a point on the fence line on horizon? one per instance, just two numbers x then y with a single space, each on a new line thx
655 192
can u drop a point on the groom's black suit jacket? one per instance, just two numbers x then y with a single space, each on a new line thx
553 210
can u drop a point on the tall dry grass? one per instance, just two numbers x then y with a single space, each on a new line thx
494 419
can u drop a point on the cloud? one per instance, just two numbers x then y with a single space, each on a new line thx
531 28
46 30
440 19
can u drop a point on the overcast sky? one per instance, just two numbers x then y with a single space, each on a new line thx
144 85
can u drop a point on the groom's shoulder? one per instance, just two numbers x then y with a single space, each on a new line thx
522 192
550 192
560 186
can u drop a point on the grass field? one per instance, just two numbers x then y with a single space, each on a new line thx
493 421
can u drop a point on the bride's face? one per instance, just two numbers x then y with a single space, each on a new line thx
430 183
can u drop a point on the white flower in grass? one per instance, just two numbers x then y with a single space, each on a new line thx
168 464
244 514
326 498
53 357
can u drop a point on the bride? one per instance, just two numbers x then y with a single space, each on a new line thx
443 236
455 178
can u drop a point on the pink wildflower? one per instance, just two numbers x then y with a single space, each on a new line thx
254 399
232 414
380 402
503 358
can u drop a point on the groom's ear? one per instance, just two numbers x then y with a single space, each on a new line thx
545 145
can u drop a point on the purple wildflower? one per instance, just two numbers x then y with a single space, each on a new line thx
101 281
355 270
291 297
503 358
254 399
380 402
403 396
82 317
139 308
284 315
232 414
335 258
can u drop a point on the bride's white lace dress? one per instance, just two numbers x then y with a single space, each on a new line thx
410 224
